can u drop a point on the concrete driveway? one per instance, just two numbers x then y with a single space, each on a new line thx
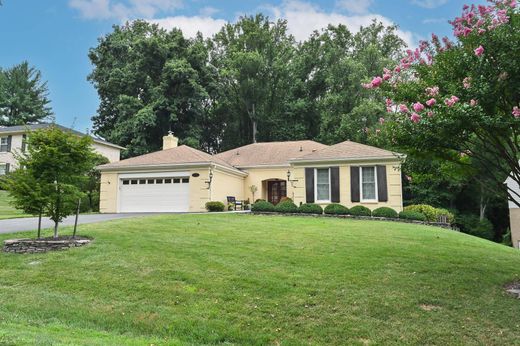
30 224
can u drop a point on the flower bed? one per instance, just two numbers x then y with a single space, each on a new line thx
43 245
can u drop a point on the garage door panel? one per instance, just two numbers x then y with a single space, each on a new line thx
146 194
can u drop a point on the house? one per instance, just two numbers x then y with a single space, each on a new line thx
514 212
12 140
181 178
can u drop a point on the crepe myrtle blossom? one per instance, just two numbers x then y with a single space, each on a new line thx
381 120
430 114
403 108
375 83
432 91
473 102
466 83
451 101
418 107
516 112
431 102
415 117
388 102
408 178
479 51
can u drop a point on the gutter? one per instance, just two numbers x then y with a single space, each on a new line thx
350 159
168 166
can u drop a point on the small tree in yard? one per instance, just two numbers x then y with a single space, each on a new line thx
459 101
55 166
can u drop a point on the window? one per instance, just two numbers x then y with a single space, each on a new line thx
142 181
151 181
322 176
167 181
4 144
176 180
185 180
368 184
3 169
134 182
158 181
126 182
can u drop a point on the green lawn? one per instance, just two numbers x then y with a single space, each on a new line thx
6 210
255 280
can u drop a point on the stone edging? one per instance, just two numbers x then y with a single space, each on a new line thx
42 245
435 224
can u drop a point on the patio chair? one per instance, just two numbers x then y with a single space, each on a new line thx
235 203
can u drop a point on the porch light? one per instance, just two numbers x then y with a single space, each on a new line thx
210 179
292 181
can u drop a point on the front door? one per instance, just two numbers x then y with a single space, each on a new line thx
276 190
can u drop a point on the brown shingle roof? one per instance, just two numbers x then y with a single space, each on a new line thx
269 153
178 155
347 150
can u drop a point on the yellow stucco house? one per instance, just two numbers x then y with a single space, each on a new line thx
181 178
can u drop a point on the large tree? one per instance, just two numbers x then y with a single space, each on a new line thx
457 100
149 81
23 96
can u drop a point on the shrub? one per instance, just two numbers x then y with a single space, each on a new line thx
412 215
360 210
336 209
471 224
385 212
286 207
285 199
310 208
259 200
432 214
262 205
215 206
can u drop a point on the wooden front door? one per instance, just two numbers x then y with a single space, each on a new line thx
276 190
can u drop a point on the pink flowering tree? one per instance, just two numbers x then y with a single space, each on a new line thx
460 100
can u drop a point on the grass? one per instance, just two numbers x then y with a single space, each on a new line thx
6 210
256 280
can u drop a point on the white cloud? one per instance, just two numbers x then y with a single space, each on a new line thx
208 11
123 10
303 18
354 6
434 20
191 25
429 3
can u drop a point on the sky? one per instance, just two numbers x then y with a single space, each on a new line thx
55 35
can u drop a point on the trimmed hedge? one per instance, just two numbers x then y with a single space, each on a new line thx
432 214
285 199
262 205
385 212
286 207
310 208
336 209
360 210
412 215
215 206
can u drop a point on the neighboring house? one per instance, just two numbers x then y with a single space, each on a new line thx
180 178
13 140
514 213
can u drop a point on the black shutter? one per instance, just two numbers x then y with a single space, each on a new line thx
9 140
7 166
382 189
354 184
309 185
24 139
334 184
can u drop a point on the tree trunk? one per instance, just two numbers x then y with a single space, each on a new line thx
39 225
253 119
483 203
55 229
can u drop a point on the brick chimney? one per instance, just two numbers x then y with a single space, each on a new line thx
170 141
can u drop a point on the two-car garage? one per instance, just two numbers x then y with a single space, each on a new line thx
158 192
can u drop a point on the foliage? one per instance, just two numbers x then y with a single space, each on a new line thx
360 210
261 205
310 208
23 96
471 224
336 209
385 212
412 215
506 238
55 167
458 102
432 214
91 187
285 199
286 206
241 261
213 206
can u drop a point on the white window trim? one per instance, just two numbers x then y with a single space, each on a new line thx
316 186
6 144
376 199
4 166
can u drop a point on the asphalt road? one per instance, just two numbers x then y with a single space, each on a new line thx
29 224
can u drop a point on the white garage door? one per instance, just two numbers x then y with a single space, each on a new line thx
154 194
